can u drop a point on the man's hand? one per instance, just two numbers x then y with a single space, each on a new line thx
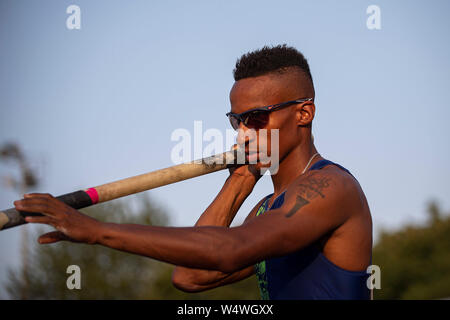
71 224
247 171
250 172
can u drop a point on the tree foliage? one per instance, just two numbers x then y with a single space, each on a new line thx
108 273
415 260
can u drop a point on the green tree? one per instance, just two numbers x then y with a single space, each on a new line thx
415 260
108 273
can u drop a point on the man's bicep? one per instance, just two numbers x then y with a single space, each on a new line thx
303 219
277 233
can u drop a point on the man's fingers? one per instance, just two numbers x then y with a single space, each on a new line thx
39 205
52 237
39 195
44 219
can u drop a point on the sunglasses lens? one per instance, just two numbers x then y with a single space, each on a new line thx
257 120
234 122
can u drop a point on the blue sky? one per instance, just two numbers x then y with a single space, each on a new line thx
99 104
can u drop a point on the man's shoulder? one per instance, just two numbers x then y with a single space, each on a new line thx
330 182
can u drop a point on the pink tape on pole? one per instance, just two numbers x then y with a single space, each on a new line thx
92 193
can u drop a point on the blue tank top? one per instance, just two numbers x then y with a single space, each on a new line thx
307 273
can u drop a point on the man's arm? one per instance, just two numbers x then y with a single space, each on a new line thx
196 280
314 206
221 212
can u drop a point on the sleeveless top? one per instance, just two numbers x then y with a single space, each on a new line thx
307 273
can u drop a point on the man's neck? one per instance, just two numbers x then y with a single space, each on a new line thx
292 165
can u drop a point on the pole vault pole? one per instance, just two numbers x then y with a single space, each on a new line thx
84 198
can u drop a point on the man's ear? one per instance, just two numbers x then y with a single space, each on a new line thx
304 113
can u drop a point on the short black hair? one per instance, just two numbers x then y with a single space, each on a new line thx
269 60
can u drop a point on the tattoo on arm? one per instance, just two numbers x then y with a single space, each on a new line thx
299 202
307 190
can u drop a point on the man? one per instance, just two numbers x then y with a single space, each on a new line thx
310 239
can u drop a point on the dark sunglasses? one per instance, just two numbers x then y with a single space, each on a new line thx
259 117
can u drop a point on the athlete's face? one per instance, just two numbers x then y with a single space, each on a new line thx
250 93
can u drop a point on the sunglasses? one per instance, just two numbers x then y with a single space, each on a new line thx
259 117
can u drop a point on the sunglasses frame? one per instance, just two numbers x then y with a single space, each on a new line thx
241 117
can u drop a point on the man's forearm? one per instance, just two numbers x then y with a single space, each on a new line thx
223 209
220 212
194 247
